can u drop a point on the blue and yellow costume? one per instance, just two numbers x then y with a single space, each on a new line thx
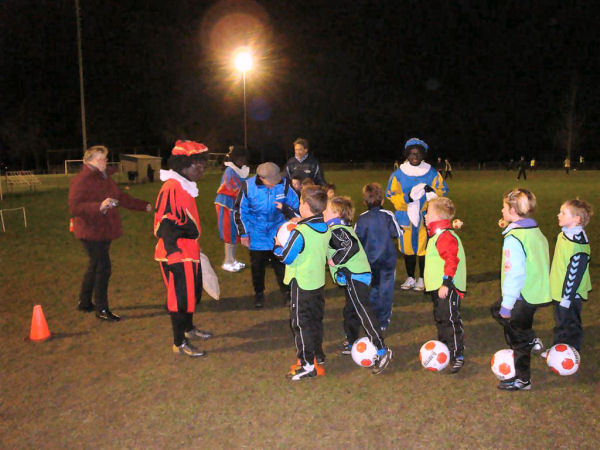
402 180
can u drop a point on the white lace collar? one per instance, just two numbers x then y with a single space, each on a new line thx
188 186
415 171
242 172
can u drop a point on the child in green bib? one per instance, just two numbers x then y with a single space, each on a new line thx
525 283
305 256
349 267
569 273
446 277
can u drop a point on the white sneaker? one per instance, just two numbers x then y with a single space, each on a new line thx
408 284
419 285
240 265
231 267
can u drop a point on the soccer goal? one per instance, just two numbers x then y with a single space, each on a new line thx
75 165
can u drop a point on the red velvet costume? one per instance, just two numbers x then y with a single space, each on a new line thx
177 225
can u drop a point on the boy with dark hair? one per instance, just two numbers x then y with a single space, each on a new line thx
376 229
305 255
446 277
349 268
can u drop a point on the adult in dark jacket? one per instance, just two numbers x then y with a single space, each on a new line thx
303 165
93 201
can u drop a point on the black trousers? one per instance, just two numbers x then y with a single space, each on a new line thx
519 334
95 280
568 329
306 313
522 171
181 322
446 313
411 264
258 263
358 313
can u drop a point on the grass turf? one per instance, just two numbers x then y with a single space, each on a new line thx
106 385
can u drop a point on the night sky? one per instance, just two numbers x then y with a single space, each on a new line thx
478 80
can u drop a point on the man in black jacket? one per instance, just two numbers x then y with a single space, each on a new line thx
302 165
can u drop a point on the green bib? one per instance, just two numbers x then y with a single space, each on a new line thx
537 264
309 266
563 252
358 263
434 265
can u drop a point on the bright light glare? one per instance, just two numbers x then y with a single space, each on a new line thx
243 61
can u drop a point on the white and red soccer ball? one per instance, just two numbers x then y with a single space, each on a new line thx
364 353
563 359
503 364
434 355
284 232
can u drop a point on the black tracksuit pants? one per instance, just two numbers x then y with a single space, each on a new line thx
358 313
258 263
569 329
446 313
519 334
95 280
306 313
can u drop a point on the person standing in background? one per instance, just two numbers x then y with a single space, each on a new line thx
236 171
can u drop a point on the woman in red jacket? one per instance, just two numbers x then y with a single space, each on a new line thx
93 201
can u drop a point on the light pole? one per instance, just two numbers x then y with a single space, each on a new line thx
243 62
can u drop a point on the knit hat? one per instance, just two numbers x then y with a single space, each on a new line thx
270 172
188 148
416 142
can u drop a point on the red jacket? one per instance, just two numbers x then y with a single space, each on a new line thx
176 225
87 191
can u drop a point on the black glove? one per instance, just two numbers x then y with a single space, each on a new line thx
428 188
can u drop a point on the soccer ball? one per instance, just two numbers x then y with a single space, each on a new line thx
563 359
503 364
364 353
434 355
284 231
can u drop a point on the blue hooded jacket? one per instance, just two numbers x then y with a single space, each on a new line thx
255 213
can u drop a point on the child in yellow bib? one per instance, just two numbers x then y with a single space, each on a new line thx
569 274
525 282
446 277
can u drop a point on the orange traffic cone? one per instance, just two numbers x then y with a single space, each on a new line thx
39 327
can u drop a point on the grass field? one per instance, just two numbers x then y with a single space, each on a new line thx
107 385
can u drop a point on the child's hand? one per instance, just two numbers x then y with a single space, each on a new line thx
278 205
245 241
443 291
295 219
277 243
330 262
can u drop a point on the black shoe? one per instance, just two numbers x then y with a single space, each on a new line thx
456 365
196 333
107 315
383 361
259 300
515 385
86 308
301 374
